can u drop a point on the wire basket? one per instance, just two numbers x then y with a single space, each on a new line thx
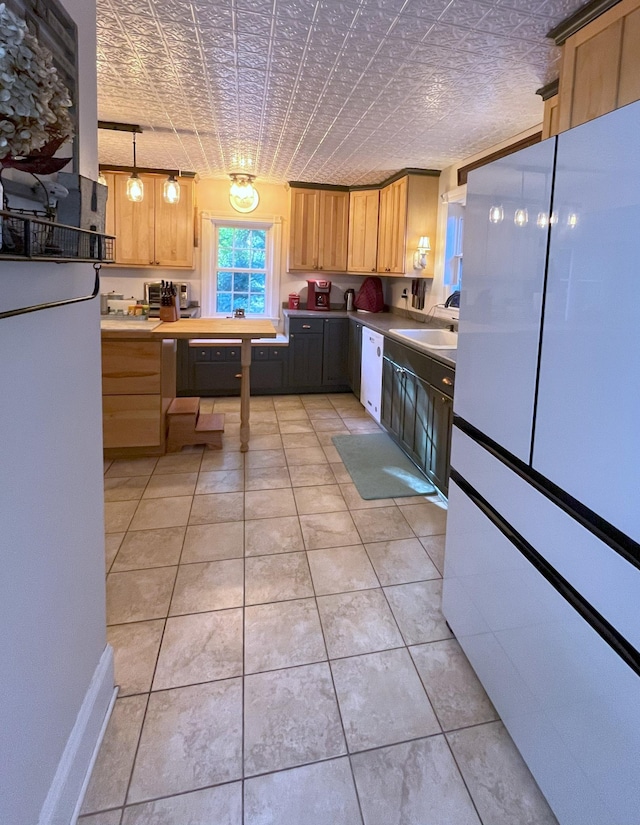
23 236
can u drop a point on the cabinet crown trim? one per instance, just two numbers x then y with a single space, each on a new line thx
579 19
549 90
434 173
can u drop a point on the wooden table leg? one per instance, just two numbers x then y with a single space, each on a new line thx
245 391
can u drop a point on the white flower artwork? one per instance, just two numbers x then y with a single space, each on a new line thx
34 102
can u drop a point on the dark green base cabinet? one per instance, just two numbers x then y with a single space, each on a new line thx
316 360
417 394
355 356
215 370
318 354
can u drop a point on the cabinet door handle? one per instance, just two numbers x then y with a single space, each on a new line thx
448 382
306 326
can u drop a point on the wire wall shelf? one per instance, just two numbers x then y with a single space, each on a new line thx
25 237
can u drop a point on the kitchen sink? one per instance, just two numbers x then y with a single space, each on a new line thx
431 338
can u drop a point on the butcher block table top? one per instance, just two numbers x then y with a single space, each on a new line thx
243 328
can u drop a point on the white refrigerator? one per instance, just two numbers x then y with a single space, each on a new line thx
542 561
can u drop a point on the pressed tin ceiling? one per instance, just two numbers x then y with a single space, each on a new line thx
346 91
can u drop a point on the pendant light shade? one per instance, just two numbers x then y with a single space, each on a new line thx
496 214
171 190
243 195
135 187
521 217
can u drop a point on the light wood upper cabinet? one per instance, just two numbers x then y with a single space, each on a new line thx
408 210
392 227
377 230
629 85
174 226
550 117
151 233
319 229
134 224
601 66
304 235
363 230
334 223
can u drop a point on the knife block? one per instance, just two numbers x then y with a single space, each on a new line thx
171 312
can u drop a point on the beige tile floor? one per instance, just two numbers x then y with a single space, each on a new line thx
279 644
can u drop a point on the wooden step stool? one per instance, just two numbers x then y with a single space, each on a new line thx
187 425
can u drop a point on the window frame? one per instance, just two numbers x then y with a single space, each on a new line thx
273 246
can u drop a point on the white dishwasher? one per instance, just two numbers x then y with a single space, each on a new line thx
371 375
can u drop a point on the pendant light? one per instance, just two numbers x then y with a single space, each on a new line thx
521 215
542 220
135 186
243 195
171 190
496 214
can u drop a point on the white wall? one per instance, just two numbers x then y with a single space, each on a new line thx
51 514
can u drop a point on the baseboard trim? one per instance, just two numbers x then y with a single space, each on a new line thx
62 805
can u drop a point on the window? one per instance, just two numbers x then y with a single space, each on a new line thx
453 246
241 267
241 270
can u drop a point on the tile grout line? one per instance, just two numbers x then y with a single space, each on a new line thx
402 636
155 668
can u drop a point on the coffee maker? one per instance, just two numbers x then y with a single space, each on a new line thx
318 294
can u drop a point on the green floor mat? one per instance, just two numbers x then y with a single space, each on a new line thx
379 468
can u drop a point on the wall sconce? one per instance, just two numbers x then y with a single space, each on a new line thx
521 217
243 195
496 214
171 190
420 255
135 187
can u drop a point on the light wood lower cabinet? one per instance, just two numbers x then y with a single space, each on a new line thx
131 421
138 384
131 367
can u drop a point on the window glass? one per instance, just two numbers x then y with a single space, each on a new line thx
242 277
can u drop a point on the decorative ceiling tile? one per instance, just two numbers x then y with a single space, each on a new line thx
335 91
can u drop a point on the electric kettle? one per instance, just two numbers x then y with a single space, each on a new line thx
349 296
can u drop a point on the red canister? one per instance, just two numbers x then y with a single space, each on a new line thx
294 300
